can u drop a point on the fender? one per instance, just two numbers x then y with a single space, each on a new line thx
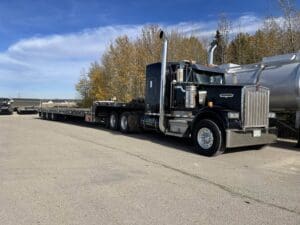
217 114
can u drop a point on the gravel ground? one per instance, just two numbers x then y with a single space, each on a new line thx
62 173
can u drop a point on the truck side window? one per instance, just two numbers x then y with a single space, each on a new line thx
203 78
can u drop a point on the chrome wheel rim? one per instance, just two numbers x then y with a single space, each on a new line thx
205 138
113 120
124 122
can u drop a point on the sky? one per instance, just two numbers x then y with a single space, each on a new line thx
46 44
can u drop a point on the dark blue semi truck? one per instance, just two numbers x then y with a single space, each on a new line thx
184 99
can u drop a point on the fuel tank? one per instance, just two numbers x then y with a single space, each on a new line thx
281 74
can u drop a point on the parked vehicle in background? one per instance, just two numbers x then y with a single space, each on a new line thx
5 106
27 110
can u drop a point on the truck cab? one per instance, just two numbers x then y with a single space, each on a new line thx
198 104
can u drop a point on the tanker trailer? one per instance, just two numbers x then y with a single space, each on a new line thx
281 74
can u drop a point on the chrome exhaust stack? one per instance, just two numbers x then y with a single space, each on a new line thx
211 50
163 82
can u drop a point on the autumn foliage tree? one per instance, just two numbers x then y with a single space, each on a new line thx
121 75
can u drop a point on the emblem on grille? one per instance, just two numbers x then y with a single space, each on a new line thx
226 95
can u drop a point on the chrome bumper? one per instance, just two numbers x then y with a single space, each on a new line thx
238 138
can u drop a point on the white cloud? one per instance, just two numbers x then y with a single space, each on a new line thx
49 66
54 60
79 45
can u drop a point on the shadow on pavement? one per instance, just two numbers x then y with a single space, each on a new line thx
182 144
286 145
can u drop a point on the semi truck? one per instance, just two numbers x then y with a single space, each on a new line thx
5 106
185 99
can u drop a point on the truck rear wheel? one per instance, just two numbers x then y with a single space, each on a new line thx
114 121
208 138
129 122
124 123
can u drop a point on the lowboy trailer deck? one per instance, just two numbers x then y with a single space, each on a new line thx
102 112
63 113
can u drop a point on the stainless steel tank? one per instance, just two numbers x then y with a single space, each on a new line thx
281 74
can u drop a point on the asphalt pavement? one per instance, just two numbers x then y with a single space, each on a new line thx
67 173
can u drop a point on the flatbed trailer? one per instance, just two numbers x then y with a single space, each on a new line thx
184 99
98 113
63 113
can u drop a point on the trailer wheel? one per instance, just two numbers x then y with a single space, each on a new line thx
114 121
208 138
124 122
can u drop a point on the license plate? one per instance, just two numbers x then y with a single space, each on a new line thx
256 133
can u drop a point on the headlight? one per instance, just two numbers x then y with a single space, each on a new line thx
233 115
272 115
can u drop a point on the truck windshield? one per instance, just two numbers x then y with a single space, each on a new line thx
203 78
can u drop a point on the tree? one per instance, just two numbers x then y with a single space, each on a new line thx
83 88
125 61
98 82
291 22
222 38
273 37
241 49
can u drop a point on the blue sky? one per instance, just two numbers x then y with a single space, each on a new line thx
44 45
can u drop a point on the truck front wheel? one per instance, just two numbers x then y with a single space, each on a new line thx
208 138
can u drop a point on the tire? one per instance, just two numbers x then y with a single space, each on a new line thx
134 122
208 138
106 122
129 122
124 122
114 121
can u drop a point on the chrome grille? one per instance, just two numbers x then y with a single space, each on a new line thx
256 106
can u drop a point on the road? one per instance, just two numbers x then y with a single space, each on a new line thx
62 173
